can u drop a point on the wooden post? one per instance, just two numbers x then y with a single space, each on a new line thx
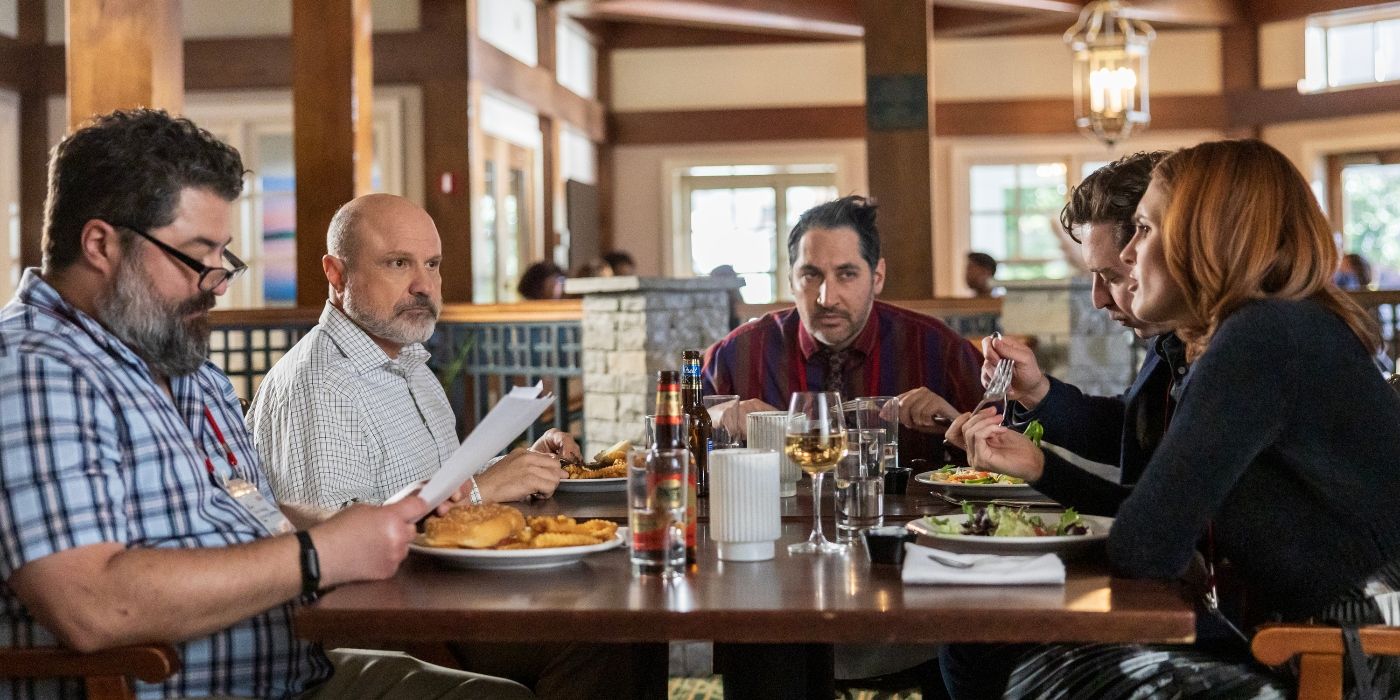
898 124
33 140
446 138
333 107
123 54
552 185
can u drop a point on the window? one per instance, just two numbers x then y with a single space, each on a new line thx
1351 48
739 216
1015 210
1365 205
509 25
9 195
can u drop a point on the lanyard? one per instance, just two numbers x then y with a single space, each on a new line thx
228 451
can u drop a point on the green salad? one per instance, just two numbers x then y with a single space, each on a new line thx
996 521
1035 431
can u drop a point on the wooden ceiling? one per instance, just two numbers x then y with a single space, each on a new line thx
648 23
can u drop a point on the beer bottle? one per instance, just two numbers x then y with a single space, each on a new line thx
702 430
670 435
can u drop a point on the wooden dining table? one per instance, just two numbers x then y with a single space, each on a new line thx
789 599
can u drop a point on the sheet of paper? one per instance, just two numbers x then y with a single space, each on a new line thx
515 412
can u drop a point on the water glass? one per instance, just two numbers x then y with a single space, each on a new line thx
717 404
656 504
860 484
878 413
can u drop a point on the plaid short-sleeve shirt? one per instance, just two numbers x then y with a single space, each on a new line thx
92 450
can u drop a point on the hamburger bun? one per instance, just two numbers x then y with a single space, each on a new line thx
473 527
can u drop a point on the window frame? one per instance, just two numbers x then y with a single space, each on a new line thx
1317 68
779 182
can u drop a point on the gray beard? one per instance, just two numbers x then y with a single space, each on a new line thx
155 330
402 331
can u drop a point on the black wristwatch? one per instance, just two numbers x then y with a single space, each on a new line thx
310 565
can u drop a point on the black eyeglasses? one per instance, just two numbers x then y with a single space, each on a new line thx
209 277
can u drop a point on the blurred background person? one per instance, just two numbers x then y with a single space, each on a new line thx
1353 273
542 280
735 298
980 273
620 262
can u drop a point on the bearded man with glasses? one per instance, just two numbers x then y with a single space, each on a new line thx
133 507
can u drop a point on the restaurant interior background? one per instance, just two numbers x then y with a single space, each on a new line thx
691 133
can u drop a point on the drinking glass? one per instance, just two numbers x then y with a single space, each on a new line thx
656 509
880 414
717 404
860 485
816 441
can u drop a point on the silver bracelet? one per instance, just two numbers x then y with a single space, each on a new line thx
475 496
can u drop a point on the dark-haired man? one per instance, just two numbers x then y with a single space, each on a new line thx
838 337
979 275
1119 430
132 505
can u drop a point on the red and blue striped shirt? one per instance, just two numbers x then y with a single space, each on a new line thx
771 357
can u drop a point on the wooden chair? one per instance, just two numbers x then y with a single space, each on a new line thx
106 674
1320 651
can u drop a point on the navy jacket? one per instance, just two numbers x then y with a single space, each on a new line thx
1120 430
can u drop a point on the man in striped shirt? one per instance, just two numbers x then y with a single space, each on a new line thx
132 505
838 337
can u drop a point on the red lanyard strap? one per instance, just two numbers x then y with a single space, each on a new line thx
219 434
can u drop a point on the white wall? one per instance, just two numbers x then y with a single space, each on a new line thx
788 75
225 18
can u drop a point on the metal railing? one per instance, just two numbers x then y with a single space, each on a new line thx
479 352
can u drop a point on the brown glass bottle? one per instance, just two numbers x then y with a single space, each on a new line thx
702 431
670 435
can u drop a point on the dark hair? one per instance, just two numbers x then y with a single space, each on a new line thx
614 258
129 168
1110 196
535 281
983 261
853 212
1363 269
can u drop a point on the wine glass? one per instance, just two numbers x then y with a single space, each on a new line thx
816 441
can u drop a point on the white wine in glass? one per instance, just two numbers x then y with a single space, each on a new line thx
814 452
816 441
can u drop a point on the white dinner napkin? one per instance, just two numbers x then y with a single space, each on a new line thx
986 569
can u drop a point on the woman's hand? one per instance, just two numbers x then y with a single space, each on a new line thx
992 447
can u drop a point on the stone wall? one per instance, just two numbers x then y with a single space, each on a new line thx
634 327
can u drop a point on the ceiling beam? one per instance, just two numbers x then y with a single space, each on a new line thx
1189 13
782 18
1261 11
1056 7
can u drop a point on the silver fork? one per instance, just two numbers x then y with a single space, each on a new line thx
998 385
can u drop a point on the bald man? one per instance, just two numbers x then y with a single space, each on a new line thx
352 413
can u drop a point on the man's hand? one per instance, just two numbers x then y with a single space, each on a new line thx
993 447
522 474
919 407
560 444
365 542
736 418
1028 384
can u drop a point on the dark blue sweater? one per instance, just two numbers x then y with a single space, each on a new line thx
1289 440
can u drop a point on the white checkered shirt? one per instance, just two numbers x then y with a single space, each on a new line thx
336 420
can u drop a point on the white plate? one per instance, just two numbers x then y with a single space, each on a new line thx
617 483
516 558
1098 531
979 491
